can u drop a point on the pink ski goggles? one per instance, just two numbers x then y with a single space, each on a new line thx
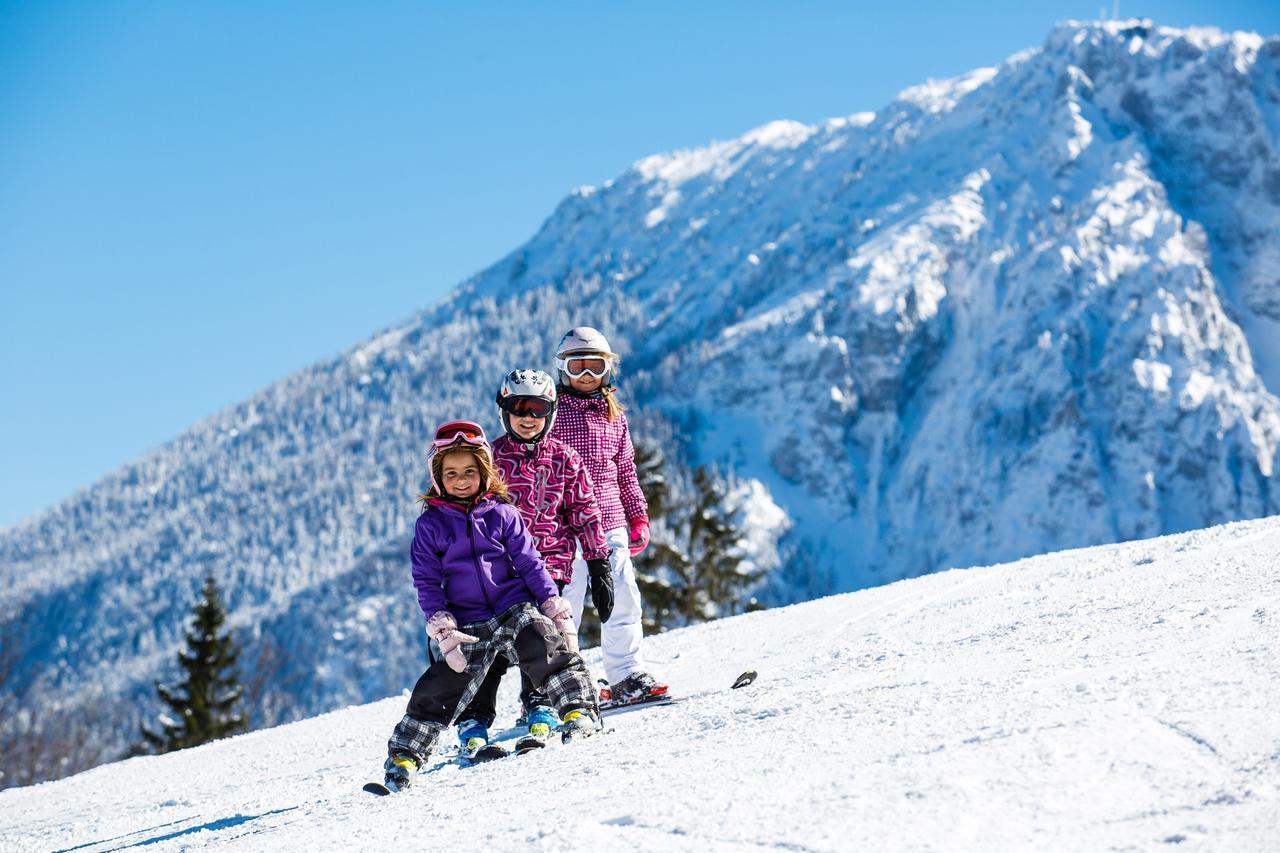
452 434
459 432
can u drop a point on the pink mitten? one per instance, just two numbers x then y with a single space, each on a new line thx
558 611
639 534
442 628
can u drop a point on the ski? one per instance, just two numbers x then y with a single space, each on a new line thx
741 681
529 744
607 701
646 702
489 752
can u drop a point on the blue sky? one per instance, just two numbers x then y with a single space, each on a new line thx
199 198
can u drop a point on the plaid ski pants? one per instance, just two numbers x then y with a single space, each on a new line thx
520 633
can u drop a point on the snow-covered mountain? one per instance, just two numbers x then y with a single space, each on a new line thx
1034 307
1115 698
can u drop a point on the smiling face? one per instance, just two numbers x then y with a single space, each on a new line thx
586 383
460 473
526 426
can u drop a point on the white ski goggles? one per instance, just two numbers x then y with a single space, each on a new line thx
576 366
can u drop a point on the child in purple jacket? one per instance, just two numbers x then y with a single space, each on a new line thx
485 592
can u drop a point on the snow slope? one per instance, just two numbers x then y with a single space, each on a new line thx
1114 697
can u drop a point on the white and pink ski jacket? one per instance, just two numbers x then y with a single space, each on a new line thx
583 424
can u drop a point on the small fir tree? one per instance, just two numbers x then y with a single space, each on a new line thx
694 571
655 591
719 576
204 702
651 474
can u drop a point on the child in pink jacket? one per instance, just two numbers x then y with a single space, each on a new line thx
592 421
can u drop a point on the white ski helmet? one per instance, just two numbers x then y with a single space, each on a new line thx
531 391
584 340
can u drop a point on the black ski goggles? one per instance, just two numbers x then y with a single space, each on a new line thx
528 407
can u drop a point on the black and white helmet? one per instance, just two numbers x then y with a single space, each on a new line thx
584 341
530 392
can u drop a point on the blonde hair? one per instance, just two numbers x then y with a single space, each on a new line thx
615 407
490 477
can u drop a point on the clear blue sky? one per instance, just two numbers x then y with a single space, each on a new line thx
197 198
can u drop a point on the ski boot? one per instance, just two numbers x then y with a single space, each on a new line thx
579 724
540 720
637 687
400 772
473 736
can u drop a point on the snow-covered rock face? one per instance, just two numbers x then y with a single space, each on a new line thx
1030 308
1034 307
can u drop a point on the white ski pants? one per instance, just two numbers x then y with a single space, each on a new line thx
620 636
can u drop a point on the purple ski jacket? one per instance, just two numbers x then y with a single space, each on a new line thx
476 562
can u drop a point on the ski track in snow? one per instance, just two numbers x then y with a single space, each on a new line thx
1116 697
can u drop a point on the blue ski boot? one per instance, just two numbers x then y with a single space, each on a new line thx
540 720
473 736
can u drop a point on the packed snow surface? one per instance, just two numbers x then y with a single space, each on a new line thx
1120 696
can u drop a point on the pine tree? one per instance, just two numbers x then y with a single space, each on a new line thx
714 553
651 472
695 571
205 700
655 591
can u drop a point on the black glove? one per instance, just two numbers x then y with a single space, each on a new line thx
601 587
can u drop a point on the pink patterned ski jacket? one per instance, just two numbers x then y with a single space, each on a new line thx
550 486
582 423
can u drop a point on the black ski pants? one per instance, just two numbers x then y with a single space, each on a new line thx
483 705
520 633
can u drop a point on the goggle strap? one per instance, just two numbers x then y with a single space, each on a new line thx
469 430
